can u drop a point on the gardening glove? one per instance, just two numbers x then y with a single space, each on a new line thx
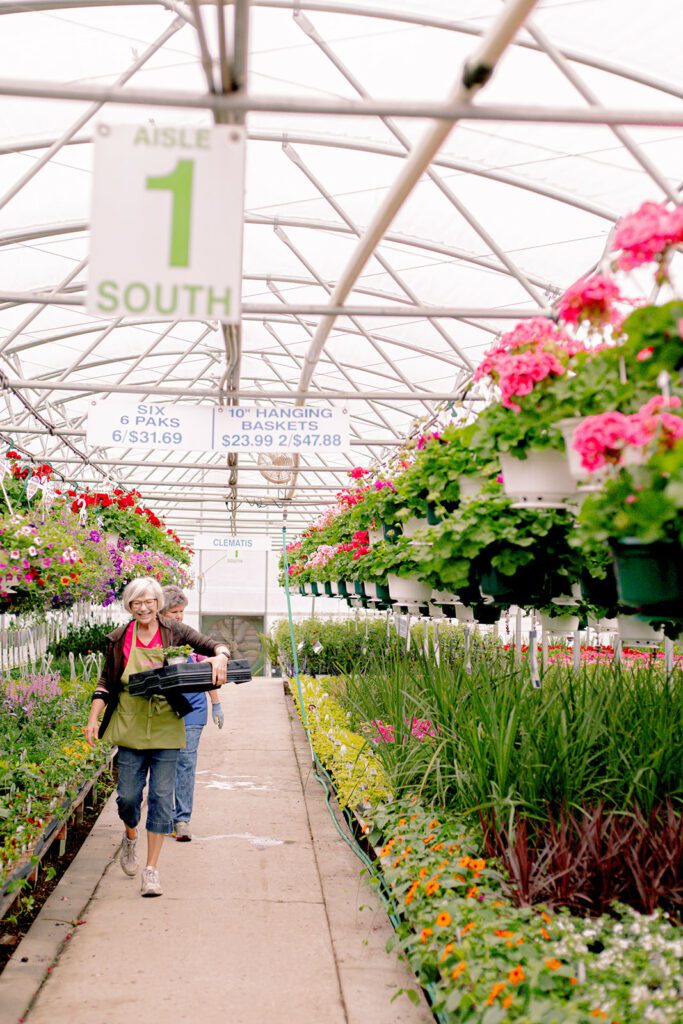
217 714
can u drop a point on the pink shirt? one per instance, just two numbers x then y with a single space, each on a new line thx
128 642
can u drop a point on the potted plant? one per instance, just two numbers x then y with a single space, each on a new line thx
639 511
177 655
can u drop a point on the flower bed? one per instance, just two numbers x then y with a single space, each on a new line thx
44 760
480 956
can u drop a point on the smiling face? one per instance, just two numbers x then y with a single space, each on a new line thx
175 612
144 608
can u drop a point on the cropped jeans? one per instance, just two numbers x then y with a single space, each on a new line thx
134 767
185 773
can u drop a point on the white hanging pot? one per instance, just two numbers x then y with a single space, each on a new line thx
413 525
542 479
408 591
463 613
560 625
470 487
636 633
603 625
568 600
443 597
374 536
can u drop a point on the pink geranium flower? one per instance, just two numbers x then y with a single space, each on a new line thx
591 299
647 234
601 440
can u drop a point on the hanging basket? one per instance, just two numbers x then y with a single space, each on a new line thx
634 632
650 576
412 525
527 588
408 591
542 479
375 536
440 597
602 593
486 614
560 625
464 614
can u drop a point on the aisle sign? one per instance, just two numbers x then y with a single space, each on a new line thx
224 542
166 222
284 428
241 428
151 425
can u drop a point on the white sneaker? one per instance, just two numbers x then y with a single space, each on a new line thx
151 886
182 832
128 858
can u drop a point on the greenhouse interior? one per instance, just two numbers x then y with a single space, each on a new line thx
341 511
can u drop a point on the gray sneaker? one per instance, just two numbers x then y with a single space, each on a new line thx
128 858
182 832
151 886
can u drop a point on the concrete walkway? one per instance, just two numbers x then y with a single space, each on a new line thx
264 915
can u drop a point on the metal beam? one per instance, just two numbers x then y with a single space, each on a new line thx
237 103
37 384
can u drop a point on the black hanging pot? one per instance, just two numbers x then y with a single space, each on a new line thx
649 576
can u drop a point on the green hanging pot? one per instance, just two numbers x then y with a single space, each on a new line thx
527 588
650 576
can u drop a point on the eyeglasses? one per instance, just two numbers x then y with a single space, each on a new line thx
138 605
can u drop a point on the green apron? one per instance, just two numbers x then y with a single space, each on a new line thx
144 723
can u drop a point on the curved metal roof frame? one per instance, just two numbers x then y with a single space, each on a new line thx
282 348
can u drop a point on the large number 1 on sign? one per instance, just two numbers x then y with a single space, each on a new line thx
179 182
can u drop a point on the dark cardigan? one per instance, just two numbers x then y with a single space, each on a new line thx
173 634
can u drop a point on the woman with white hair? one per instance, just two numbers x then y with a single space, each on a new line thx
149 731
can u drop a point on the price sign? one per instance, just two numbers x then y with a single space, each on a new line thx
222 542
166 223
150 425
283 428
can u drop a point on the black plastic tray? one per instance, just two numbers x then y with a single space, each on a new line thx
190 677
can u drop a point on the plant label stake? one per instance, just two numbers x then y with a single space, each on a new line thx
668 657
72 665
468 663
577 650
388 623
544 649
426 638
407 627
435 640
533 660
518 636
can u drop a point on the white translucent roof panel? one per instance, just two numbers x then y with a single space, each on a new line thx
506 216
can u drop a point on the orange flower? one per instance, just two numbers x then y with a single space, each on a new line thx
423 873
434 824
429 839
545 933
507 1002
478 864
467 928
411 892
365 829
443 919
504 933
413 800
597 1012
459 968
426 932
403 821
516 975
431 887
396 862
459 878
498 903
573 981
546 917
464 862
553 963
472 892
447 950
437 846
413 817
495 992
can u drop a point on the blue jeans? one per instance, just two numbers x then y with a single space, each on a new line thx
133 768
185 772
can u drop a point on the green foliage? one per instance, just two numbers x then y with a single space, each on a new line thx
489 532
83 639
600 736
